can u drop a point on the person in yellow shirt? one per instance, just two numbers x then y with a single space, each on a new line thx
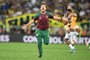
71 28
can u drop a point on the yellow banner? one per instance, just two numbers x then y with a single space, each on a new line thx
19 20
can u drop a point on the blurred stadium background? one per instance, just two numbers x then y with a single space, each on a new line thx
13 10
15 13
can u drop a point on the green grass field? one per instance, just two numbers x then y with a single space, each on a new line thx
28 51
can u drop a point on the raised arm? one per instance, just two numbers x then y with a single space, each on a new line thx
26 25
60 18
53 17
57 18
34 19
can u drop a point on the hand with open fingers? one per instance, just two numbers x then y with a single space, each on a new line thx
24 27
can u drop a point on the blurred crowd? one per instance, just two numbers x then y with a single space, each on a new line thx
13 8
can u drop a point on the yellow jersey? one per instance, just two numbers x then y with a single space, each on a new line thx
72 17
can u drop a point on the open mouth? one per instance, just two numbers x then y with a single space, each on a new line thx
42 8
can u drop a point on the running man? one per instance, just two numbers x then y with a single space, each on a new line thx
42 19
72 30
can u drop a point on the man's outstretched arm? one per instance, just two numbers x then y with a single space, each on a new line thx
26 25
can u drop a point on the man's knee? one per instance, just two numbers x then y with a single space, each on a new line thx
66 39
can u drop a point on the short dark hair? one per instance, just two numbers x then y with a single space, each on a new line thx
69 10
43 3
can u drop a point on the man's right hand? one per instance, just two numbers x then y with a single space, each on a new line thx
24 27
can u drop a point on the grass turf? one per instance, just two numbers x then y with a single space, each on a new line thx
29 51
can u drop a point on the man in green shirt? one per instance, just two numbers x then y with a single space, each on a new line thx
42 19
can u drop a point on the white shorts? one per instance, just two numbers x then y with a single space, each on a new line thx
72 37
67 36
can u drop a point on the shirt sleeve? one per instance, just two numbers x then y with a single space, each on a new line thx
36 16
50 15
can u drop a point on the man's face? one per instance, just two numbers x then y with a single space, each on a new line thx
43 8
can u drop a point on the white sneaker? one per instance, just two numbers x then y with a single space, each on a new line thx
73 50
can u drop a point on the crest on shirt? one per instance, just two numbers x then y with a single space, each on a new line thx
40 18
46 16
